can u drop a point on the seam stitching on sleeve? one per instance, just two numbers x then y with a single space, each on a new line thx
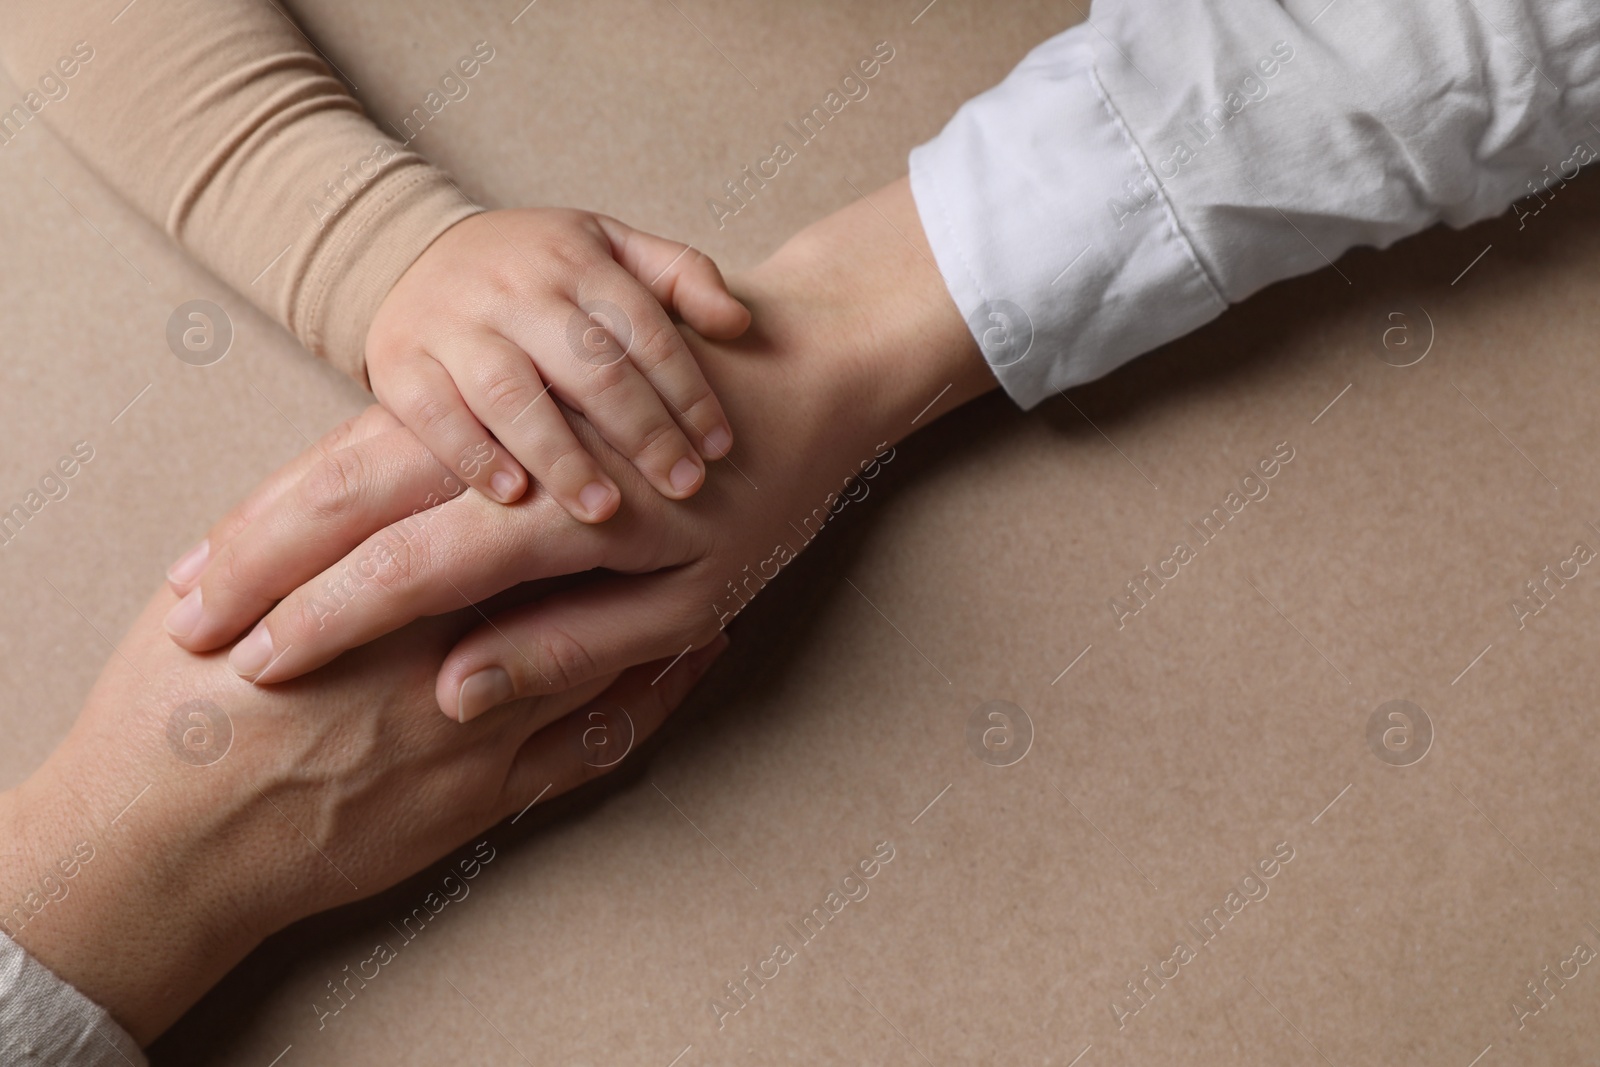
1173 225
339 248
952 242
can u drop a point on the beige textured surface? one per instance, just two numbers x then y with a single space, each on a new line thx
1176 753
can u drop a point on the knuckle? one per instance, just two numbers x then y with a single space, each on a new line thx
574 248
517 284
655 437
702 409
586 223
304 617
567 463
610 393
385 563
228 527
568 258
561 661
508 284
607 384
333 485
429 413
231 576
393 558
653 344
508 391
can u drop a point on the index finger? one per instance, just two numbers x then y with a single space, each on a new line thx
186 572
440 560
340 500
654 346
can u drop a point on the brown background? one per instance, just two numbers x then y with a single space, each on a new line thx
1173 756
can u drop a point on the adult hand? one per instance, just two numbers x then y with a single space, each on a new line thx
199 814
856 343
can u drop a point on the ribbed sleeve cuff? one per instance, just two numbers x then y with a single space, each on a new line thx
44 1022
1052 234
364 253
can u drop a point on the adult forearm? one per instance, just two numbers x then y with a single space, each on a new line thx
859 294
112 915
107 883
173 794
188 814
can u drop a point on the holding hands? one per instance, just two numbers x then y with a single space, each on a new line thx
336 785
366 532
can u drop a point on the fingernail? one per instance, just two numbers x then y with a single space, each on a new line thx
184 616
685 473
594 496
190 564
487 689
503 484
719 441
251 656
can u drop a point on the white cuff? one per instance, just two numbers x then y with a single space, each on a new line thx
44 1021
1052 234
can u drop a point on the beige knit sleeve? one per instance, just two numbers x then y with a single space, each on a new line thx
220 121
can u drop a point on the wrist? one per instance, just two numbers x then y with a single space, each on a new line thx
894 353
131 879
122 911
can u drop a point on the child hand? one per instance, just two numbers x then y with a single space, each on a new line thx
509 311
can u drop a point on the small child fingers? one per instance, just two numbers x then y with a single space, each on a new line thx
593 374
432 407
679 276
654 345
504 389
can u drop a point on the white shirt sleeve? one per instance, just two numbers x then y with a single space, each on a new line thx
45 1021
1138 173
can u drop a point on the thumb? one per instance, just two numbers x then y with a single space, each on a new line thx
681 277
573 637
596 737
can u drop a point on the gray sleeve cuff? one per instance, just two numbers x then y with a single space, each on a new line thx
45 1021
